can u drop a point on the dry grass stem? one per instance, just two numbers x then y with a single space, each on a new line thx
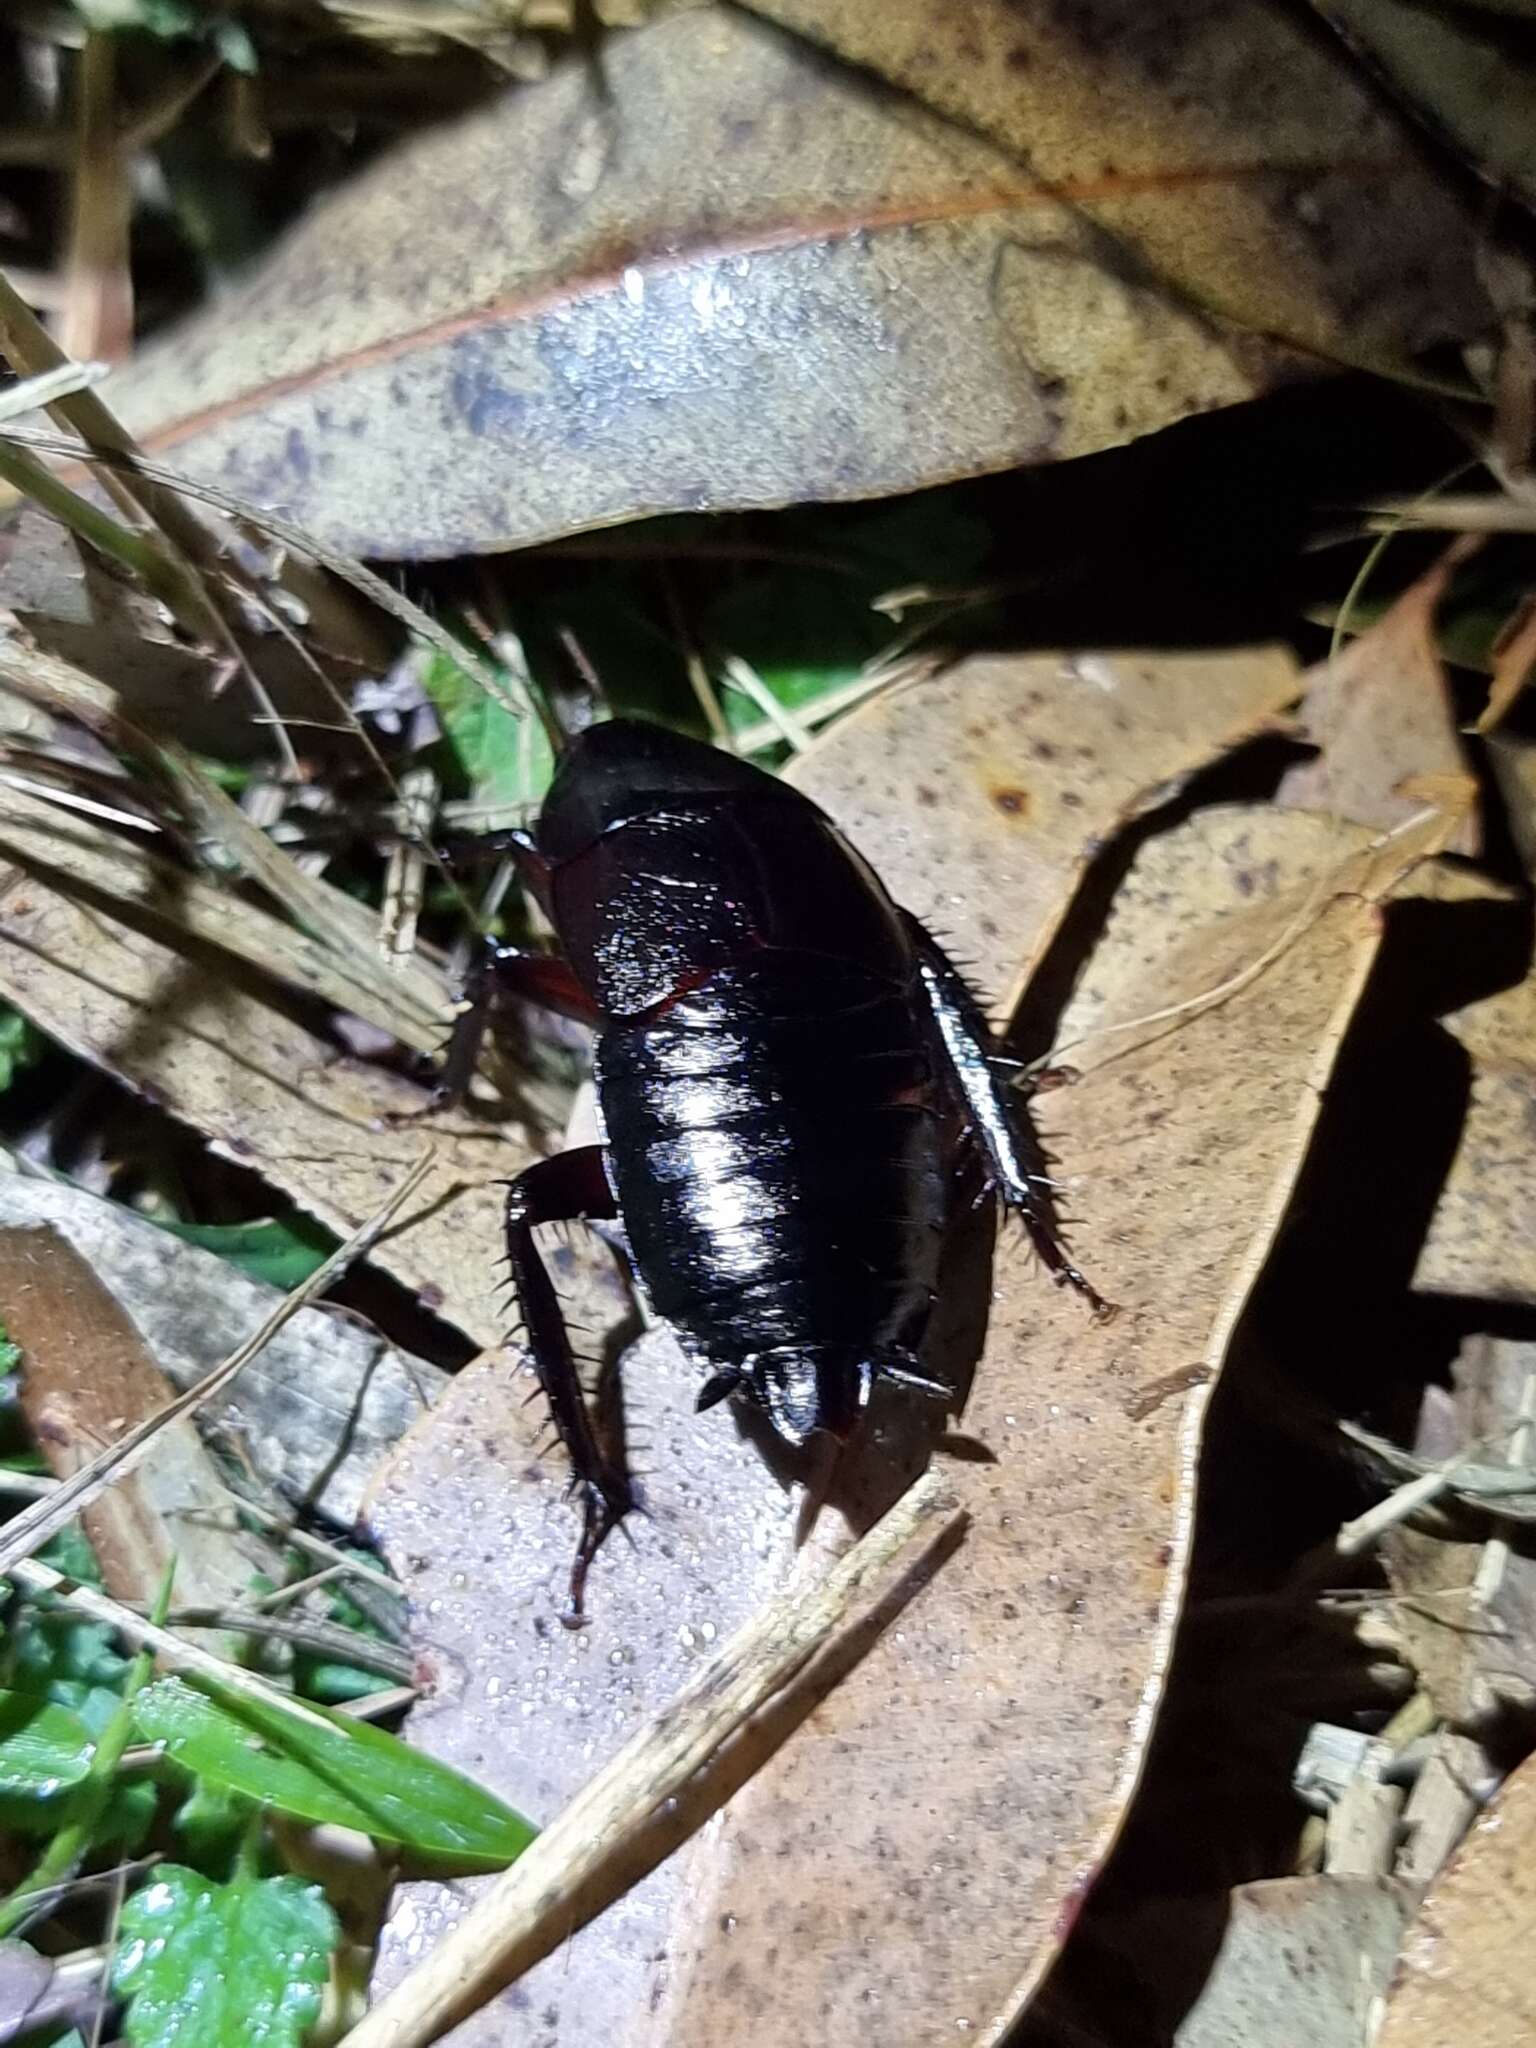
48 387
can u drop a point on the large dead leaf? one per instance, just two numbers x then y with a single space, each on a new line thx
311 1415
907 1860
264 1091
1465 1978
1014 769
1381 715
738 274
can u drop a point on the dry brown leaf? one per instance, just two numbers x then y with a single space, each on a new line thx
71 606
265 1092
1480 1243
909 1858
570 324
676 1769
87 1378
1225 149
1514 664
1465 1977
159 894
1015 769
1381 714
408 997
311 1415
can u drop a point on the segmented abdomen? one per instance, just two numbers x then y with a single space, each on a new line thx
775 1149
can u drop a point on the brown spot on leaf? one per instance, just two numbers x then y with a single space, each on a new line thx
1012 801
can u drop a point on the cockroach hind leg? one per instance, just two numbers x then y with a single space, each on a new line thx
605 1504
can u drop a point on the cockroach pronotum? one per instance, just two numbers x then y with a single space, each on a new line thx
778 1045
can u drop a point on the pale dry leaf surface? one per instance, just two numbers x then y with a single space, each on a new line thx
87 1379
478 1525
1302 1959
865 1882
1465 1977
572 324
1221 147
1226 896
311 1415
1012 770
1381 715
264 1091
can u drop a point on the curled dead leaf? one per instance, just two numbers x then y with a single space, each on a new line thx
1381 716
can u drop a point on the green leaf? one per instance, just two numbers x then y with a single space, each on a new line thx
284 1250
44 1749
808 634
208 1965
503 754
210 1824
75 1664
343 1771
20 1046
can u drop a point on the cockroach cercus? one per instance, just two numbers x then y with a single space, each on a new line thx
778 1045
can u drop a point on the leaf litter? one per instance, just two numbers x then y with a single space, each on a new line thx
1206 932
1030 1625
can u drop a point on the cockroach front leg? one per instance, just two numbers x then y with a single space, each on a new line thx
499 971
999 1121
571 1186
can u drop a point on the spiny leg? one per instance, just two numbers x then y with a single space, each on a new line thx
999 1121
573 1184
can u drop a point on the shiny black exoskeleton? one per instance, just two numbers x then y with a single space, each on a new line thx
777 1045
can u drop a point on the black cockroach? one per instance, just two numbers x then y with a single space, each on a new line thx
777 1046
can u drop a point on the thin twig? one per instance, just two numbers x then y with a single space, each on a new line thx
303 1539
1405 1500
173 1651
362 579
326 1639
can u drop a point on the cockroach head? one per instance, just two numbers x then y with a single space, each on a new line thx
625 769
804 1389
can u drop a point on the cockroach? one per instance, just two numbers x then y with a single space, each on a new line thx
778 1048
